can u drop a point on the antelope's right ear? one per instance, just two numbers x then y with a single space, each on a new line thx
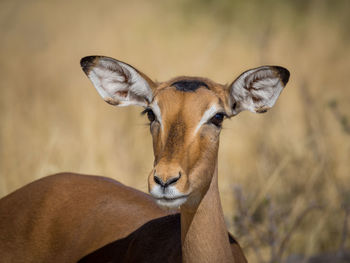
117 82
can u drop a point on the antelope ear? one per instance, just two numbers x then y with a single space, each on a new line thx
117 82
257 89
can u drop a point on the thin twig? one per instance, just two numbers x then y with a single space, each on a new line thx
292 229
344 235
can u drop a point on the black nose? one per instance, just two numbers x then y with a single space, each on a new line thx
170 181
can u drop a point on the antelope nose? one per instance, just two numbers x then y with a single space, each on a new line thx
169 181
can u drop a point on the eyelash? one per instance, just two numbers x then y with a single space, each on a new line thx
217 119
150 114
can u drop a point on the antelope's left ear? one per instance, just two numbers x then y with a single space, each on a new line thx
257 89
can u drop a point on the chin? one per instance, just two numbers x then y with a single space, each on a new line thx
171 203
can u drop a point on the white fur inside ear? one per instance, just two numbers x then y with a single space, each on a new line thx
256 90
119 84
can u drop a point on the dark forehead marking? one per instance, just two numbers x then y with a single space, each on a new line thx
189 85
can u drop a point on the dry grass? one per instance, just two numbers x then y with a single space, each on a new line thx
295 156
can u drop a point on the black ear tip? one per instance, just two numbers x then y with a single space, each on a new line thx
87 62
284 74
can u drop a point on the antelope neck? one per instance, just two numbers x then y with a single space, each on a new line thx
203 230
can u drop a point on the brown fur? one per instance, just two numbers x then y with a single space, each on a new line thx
177 149
63 217
154 242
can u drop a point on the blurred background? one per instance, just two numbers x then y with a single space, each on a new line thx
284 175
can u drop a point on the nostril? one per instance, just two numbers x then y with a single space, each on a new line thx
157 180
173 180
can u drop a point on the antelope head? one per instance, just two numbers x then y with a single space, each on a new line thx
185 116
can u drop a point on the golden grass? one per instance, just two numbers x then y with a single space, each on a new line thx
53 120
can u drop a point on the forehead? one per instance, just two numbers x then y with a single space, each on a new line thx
189 94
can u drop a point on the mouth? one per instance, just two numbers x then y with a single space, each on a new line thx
171 198
171 202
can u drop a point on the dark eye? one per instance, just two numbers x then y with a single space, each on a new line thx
217 119
150 114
